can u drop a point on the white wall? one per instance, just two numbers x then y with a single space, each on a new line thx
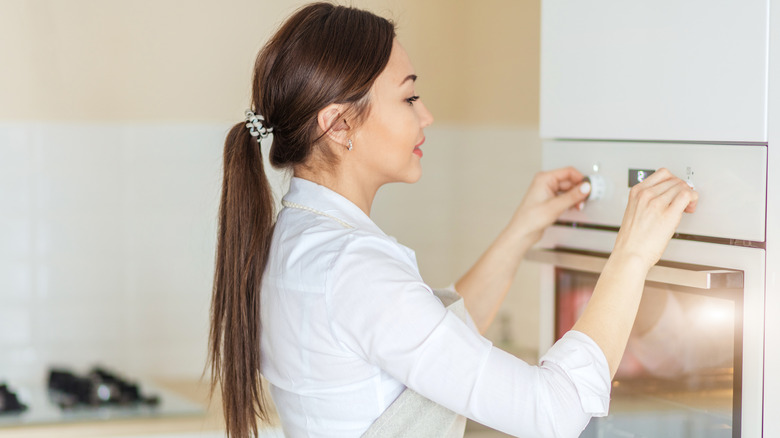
108 235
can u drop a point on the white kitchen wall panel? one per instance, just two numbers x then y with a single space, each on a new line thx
693 70
107 236
15 325
16 245
106 246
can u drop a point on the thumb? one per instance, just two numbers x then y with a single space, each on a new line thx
570 198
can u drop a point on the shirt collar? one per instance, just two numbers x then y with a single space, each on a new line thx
321 198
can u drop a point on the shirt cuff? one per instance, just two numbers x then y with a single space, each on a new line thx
586 366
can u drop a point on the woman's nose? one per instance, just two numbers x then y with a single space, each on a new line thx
426 118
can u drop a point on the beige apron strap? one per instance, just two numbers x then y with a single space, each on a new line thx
412 415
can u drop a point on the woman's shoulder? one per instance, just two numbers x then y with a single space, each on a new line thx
370 246
296 227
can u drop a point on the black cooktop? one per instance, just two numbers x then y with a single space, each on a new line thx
9 402
99 387
98 394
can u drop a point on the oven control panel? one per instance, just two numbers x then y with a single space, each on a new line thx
598 187
730 179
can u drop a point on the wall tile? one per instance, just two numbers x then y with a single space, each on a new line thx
77 168
172 360
20 364
107 236
170 317
84 323
14 142
15 175
84 278
76 231
15 235
16 281
113 227
15 325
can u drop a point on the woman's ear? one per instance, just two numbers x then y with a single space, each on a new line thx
332 122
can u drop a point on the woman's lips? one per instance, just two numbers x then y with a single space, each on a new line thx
417 151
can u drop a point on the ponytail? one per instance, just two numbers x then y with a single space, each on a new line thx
243 239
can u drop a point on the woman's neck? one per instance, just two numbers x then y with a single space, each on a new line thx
354 189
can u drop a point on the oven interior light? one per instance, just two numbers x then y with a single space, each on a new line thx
714 313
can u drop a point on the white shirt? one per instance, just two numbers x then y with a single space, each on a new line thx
347 324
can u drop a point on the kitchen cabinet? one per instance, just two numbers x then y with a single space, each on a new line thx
666 70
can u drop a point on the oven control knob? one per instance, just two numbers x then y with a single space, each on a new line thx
598 187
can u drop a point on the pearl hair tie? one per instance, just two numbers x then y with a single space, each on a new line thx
256 126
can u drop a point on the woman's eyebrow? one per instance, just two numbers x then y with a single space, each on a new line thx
412 77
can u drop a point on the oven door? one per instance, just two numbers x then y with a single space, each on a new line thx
682 374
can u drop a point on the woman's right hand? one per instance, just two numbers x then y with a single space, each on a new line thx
655 207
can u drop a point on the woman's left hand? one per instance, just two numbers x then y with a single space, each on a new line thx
550 194
485 285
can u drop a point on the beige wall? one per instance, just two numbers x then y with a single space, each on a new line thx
171 60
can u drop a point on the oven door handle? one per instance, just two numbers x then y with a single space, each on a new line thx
678 274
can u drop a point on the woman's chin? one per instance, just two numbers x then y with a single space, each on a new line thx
415 175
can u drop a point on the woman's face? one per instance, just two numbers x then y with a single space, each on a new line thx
387 144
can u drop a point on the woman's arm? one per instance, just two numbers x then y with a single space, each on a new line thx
485 285
654 210
380 310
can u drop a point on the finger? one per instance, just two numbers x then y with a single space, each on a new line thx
685 201
568 199
647 191
669 191
563 179
661 190
565 185
642 197
678 205
656 177
691 207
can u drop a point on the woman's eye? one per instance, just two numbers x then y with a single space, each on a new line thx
412 99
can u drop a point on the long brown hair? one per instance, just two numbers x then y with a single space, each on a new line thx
322 54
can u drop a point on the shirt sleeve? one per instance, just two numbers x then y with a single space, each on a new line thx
380 309
451 290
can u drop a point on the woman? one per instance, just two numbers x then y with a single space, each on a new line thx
333 312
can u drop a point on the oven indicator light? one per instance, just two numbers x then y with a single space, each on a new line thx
636 176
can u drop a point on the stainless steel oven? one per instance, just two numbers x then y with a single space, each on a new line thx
693 366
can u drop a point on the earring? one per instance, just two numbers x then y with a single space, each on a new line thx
349 144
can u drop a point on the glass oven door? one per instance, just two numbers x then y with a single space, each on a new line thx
681 373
